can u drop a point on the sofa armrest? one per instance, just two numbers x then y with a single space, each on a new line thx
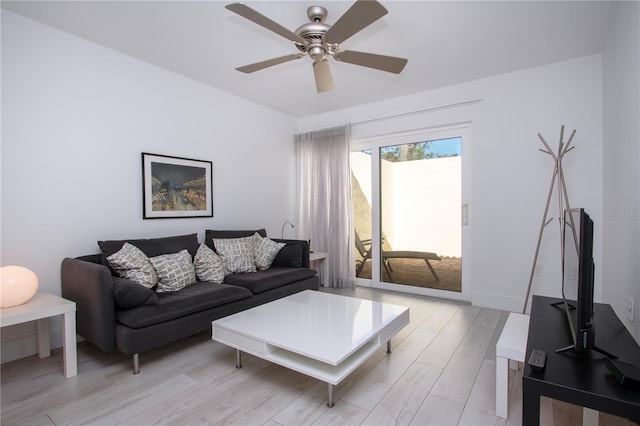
90 285
305 249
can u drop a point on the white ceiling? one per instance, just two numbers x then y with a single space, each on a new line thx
446 42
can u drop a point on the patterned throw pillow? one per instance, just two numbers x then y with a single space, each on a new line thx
209 266
130 262
237 253
175 271
265 250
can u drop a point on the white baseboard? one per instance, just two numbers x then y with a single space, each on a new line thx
21 340
497 301
19 348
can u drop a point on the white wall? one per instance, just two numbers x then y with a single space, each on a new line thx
509 176
621 159
75 118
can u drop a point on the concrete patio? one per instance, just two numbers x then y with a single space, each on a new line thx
416 273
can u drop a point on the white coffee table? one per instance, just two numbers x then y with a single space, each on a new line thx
322 335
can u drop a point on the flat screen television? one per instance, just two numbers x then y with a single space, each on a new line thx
578 271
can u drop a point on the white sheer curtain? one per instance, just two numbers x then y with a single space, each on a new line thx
324 198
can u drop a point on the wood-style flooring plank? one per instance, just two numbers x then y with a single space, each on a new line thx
271 401
374 386
48 398
210 388
441 316
440 350
405 397
438 411
343 414
213 410
459 375
483 393
307 408
121 409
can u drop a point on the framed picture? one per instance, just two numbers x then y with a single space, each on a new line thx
175 187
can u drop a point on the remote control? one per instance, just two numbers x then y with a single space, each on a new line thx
537 359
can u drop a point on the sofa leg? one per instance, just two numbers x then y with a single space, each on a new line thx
136 364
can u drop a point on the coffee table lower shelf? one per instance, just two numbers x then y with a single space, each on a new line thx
331 374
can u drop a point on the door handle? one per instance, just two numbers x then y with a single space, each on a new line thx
465 214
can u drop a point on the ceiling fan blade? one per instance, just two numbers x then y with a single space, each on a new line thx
360 15
324 80
247 69
371 60
250 14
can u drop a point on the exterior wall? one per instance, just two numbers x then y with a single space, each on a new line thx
427 197
420 204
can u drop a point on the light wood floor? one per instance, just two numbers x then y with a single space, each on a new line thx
441 372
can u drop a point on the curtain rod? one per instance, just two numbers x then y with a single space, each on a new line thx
468 101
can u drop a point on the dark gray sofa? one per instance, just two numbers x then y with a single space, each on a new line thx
116 313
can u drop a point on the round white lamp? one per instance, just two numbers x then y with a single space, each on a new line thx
17 285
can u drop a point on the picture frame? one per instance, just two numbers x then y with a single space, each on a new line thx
176 187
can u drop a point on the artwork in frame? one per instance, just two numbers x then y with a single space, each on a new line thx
175 187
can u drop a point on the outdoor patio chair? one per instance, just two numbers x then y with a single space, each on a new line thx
364 248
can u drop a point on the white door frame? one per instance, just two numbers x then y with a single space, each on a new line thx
374 143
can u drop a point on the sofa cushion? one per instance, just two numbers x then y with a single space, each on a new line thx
261 281
265 250
175 271
152 247
210 234
130 262
195 298
236 253
289 256
209 266
129 294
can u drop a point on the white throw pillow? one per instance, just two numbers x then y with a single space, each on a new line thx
237 253
209 266
175 271
265 251
130 262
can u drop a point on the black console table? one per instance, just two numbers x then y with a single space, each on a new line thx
578 378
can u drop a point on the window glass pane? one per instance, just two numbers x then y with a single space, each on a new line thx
420 198
361 194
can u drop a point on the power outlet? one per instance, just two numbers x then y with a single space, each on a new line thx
630 310
573 274
537 271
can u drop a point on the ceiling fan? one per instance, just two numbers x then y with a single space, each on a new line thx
320 40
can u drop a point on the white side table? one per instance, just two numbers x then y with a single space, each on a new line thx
511 346
40 308
319 259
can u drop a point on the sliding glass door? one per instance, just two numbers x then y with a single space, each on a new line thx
409 200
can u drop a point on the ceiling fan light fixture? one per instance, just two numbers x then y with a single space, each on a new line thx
317 53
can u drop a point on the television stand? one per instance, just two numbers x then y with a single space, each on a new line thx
585 381
559 305
595 348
